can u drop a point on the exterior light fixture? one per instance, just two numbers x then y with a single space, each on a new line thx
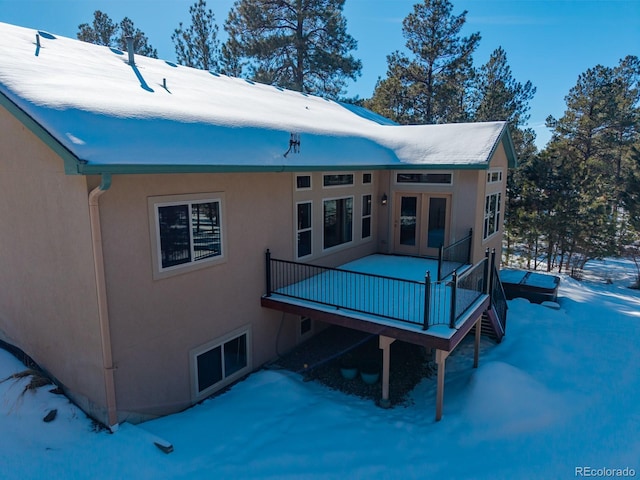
384 199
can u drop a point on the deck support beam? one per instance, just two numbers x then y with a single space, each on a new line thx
385 346
441 358
476 351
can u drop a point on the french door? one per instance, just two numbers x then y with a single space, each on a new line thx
421 223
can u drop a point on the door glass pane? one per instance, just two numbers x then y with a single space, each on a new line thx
408 218
437 220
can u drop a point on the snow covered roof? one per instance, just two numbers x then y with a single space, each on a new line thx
104 115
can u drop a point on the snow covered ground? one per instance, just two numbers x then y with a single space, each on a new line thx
560 393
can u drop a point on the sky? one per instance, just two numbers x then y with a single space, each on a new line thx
557 398
548 42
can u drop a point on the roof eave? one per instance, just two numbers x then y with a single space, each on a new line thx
509 148
131 169
70 160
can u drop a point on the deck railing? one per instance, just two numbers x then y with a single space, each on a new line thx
467 288
453 256
420 303
498 297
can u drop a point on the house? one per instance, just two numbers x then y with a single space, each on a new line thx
148 209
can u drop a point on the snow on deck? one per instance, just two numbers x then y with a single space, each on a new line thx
398 300
108 112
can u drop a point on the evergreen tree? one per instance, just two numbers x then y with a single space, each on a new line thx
602 121
432 85
141 43
198 46
587 177
630 197
103 31
302 45
497 95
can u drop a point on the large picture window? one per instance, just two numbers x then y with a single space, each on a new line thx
303 234
338 221
491 214
187 231
220 362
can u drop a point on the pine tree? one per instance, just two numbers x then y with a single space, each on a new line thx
103 31
141 43
497 95
432 85
198 46
602 119
302 45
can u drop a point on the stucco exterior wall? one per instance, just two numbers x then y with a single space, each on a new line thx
48 305
155 323
317 194
498 162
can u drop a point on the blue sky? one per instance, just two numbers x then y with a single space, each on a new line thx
549 42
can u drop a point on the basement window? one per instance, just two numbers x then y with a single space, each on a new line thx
306 327
218 363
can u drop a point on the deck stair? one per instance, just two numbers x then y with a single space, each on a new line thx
494 319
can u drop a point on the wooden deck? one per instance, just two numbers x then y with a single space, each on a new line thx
390 300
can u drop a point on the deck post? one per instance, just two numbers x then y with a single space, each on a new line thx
487 272
268 260
454 288
385 346
492 270
470 245
441 357
476 351
427 301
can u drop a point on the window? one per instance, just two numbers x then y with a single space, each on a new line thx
366 178
338 221
305 326
337 180
303 222
491 214
188 232
303 182
425 178
494 176
366 216
218 363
